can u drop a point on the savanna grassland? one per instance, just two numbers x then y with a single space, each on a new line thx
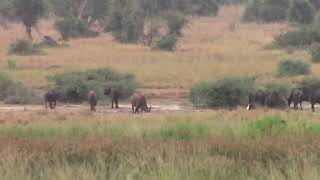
211 48
220 144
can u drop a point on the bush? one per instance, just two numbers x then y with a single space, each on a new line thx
309 84
266 10
167 43
131 29
74 28
315 4
176 22
301 11
293 68
266 127
13 92
270 13
204 7
225 93
296 38
74 86
22 47
315 52
251 11
11 64
47 42
125 22
20 94
281 91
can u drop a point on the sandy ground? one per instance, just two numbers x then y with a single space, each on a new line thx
125 108
158 107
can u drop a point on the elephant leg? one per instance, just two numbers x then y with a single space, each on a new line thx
132 109
312 107
137 110
117 105
112 103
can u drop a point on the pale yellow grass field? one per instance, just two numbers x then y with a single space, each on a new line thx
211 48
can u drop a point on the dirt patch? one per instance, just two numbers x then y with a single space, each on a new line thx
124 108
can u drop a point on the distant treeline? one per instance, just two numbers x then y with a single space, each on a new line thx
152 22
299 11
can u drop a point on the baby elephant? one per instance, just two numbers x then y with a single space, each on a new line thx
139 104
93 100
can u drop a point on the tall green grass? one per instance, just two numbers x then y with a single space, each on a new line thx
266 126
166 147
182 131
170 128
69 130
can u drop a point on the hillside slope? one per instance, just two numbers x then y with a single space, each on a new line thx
211 48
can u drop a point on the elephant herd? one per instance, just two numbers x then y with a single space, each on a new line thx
297 97
138 101
139 104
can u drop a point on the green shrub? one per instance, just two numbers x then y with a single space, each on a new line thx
293 68
309 84
22 47
251 11
20 94
281 89
308 127
315 4
282 92
296 38
176 21
73 28
167 43
301 11
182 131
228 2
131 29
47 42
11 64
266 126
74 86
270 13
266 10
126 23
225 93
13 92
205 7
315 52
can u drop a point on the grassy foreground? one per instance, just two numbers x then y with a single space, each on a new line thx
210 145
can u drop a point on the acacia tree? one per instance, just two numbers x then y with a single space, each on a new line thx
29 12
26 11
86 10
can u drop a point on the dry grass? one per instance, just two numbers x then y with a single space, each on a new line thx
107 158
82 145
212 48
214 122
